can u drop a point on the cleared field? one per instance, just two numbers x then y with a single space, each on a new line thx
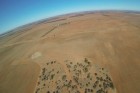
94 52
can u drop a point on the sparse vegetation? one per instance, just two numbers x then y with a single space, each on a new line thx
64 77
76 69
52 76
85 69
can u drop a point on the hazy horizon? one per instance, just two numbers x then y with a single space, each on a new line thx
16 13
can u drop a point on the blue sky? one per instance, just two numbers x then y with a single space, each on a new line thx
14 13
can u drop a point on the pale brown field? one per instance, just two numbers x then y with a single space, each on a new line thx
94 52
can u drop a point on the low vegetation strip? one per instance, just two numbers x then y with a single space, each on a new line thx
49 31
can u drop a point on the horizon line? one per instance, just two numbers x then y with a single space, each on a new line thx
51 17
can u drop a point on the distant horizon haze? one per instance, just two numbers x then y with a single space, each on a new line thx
16 13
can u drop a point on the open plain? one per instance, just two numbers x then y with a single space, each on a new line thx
87 52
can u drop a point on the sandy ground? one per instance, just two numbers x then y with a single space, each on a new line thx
97 52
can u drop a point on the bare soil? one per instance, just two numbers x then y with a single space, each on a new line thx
96 52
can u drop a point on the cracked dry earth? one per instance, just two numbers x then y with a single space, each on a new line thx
87 52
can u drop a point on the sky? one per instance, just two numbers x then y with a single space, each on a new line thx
14 13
